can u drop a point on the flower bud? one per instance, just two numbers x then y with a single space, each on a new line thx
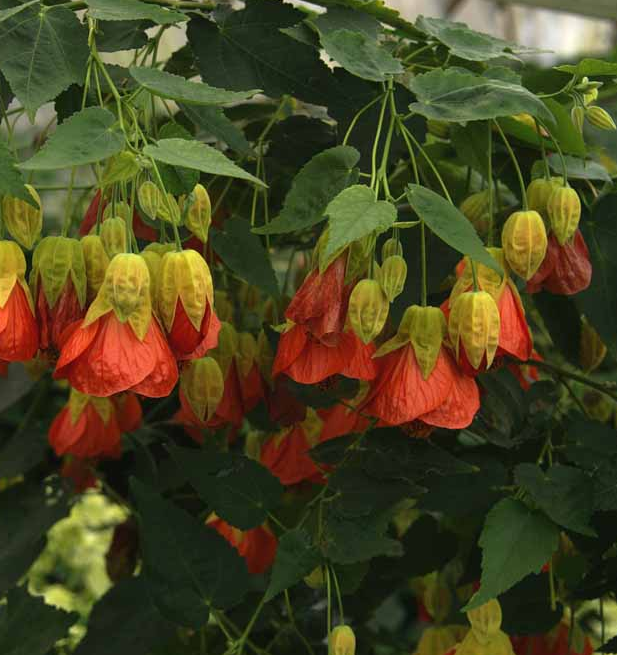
150 199
160 248
592 348
475 323
440 129
368 310
426 328
475 208
564 212
600 118
590 96
202 384
577 114
316 578
538 193
524 242
486 621
113 236
392 276
342 641
227 347
118 209
223 306
154 261
199 214
96 261
391 247
126 292
23 221
488 279
438 601
169 210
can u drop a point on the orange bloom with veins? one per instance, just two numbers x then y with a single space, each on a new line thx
58 281
186 304
257 546
344 418
119 345
286 454
315 344
514 336
19 332
418 382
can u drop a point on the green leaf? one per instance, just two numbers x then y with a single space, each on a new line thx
338 18
579 169
132 10
11 11
449 224
188 566
214 122
11 181
296 557
428 547
27 514
243 252
112 36
30 627
563 492
84 138
240 490
201 157
360 55
122 168
174 87
599 302
563 131
177 179
467 43
457 95
42 52
247 50
124 611
315 185
354 213
590 68
515 541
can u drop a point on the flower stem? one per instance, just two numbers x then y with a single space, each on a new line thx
515 163
355 119
491 216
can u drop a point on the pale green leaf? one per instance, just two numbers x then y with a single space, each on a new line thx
590 68
214 122
84 138
579 169
11 11
132 10
201 157
355 213
174 87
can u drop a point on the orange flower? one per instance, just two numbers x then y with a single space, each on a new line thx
286 454
514 335
119 345
58 282
80 472
566 269
314 345
342 419
557 642
128 411
257 546
86 427
19 332
418 380
185 302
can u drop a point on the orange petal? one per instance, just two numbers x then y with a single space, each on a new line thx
19 332
163 373
514 335
287 457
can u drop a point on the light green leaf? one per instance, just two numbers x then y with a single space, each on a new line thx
11 11
354 213
188 566
240 490
174 87
590 68
132 10
84 138
360 55
467 43
214 122
296 557
243 252
42 52
449 224
315 185
11 180
457 95
338 18
579 169
177 180
30 627
563 492
201 157
515 542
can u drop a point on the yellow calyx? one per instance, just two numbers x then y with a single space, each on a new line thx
474 321
392 276
78 401
202 384
564 212
96 262
113 236
54 260
226 348
368 310
247 353
199 214
12 271
154 262
126 292
342 641
485 636
488 279
23 221
524 242
185 276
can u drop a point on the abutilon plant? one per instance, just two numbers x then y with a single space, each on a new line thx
307 334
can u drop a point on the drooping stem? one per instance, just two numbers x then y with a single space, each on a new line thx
564 166
355 119
519 174
491 211
382 112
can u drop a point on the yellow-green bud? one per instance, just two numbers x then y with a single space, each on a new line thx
391 247
564 213
539 191
113 236
368 309
23 221
342 641
577 114
150 199
392 276
476 209
199 214
524 242
600 118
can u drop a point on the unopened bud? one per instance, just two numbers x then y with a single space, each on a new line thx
342 641
590 96
600 118
368 310
169 210
564 212
150 199
391 247
23 221
96 261
577 114
392 276
524 242
199 214
486 620
593 349
475 208
113 236
538 193
316 579
202 384
118 210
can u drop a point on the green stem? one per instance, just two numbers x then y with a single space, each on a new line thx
491 213
355 119
424 298
560 152
329 593
415 53
338 596
515 163
547 170
374 177
245 635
